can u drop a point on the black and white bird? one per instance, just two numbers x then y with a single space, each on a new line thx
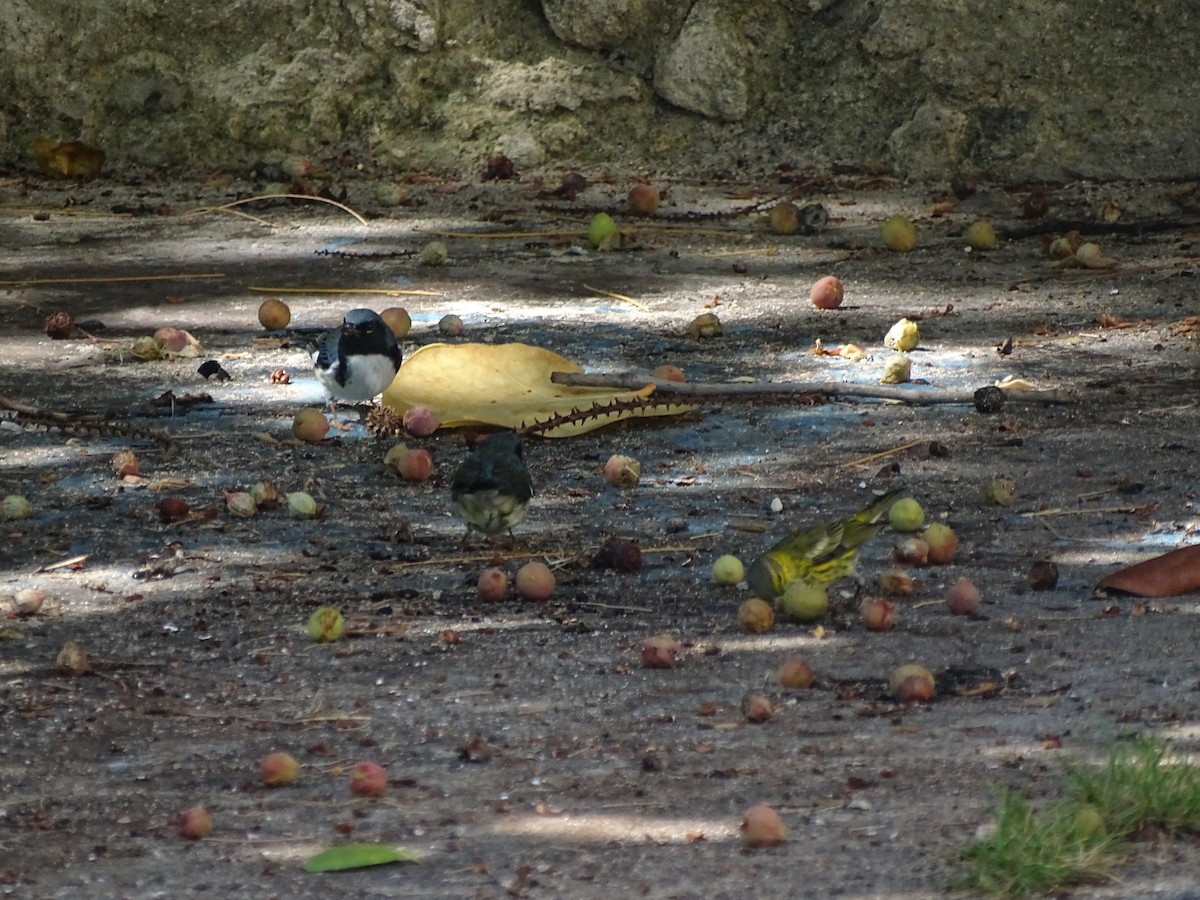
491 489
358 360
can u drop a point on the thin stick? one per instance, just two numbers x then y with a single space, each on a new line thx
769 390
874 456
494 235
112 279
621 297
302 290
227 206
62 564
1059 511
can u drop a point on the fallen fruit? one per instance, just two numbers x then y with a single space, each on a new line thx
963 598
176 341
367 779
914 689
415 464
622 471
325 625
492 584
910 670
878 614
58 326
535 581
71 660
762 827
897 582
795 674
451 326
1043 575
909 550
398 320
804 601
1089 822
602 232
310 426
273 314
903 336
14 506
906 514
981 235
827 293
705 325
942 543
172 509
899 234
660 652
784 218
195 823
897 369
434 254
125 462
728 569
643 200
28 602
301 504
619 554
278 768
757 708
756 616
1000 490
669 373
241 504
265 494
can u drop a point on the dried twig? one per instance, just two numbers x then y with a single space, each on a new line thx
73 423
112 279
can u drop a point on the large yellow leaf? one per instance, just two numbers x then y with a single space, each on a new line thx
507 385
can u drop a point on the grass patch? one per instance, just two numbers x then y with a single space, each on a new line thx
1083 837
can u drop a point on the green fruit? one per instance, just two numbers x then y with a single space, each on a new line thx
325 624
981 235
804 601
906 515
728 569
1090 822
899 234
602 231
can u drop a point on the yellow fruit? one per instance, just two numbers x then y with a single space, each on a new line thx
906 515
274 314
756 616
804 601
903 336
899 234
728 569
325 624
981 235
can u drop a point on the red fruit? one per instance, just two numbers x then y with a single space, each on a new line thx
420 421
757 708
878 614
910 551
278 768
795 674
172 509
643 200
415 465
668 372
195 823
915 689
622 471
963 598
535 581
660 652
492 585
367 779
827 293
762 827
943 543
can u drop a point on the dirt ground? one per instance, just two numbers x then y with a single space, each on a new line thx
529 754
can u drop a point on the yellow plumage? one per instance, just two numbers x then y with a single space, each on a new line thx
821 554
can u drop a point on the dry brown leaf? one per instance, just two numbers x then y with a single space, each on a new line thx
507 385
1169 575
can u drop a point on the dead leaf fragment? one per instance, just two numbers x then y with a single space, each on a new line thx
1169 575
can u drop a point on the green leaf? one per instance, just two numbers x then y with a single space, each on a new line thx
358 856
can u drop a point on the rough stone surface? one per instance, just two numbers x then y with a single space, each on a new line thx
1031 92
705 70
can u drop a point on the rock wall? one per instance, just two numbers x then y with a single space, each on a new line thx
1017 91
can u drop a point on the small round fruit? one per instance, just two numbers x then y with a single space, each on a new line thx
728 569
278 769
756 616
397 319
878 614
325 624
909 550
827 293
451 326
942 543
643 200
762 827
434 253
415 464
704 326
911 670
981 235
897 582
492 585
367 779
535 581
195 823
963 598
622 471
669 372
602 231
1089 822
1000 490
172 509
660 652
757 708
795 674
420 421
906 515
905 335
301 504
804 601
14 506
899 234
274 314
784 218
310 426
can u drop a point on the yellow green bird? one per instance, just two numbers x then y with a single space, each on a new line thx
821 554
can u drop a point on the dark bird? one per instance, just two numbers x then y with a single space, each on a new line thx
358 360
491 488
